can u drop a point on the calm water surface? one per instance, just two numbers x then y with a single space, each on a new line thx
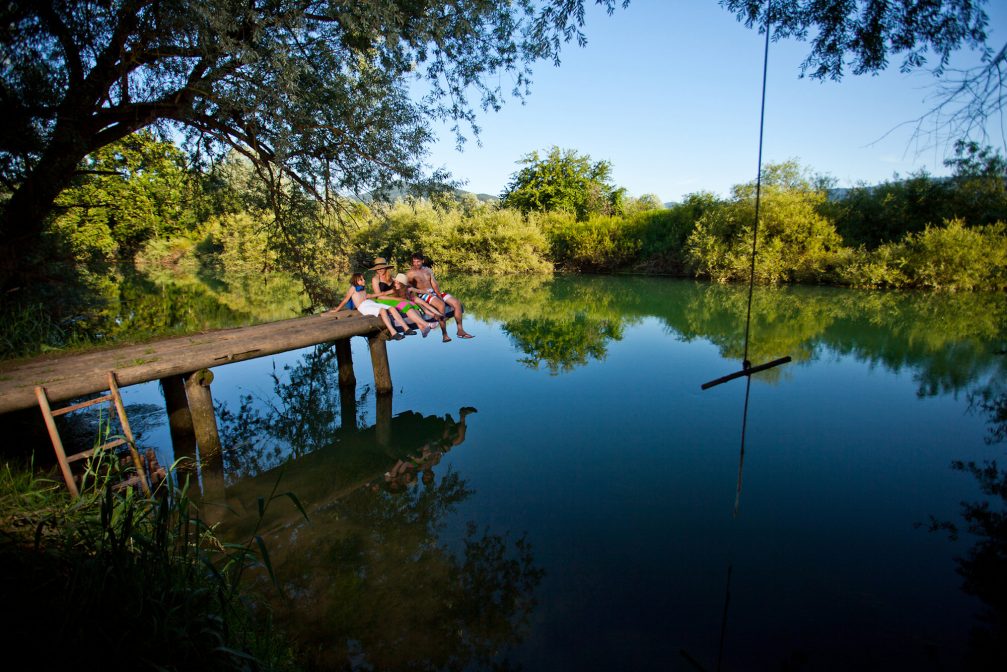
570 499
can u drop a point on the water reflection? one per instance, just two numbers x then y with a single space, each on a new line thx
303 414
370 583
374 578
983 567
566 322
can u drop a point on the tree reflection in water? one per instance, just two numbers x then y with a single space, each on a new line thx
562 343
375 588
368 582
303 415
983 567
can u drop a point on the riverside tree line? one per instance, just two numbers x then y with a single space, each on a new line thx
560 211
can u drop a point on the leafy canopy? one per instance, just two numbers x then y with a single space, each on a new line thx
863 34
563 181
316 93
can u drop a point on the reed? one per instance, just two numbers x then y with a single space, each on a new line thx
115 578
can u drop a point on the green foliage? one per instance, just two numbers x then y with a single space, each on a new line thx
496 242
663 234
481 239
318 95
865 35
950 257
563 181
24 330
795 242
598 244
127 193
979 193
976 193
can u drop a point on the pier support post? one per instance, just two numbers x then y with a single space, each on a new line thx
183 435
383 419
204 422
211 456
379 360
344 356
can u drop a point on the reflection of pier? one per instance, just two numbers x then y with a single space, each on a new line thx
356 458
182 365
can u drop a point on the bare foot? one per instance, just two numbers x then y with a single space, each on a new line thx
446 339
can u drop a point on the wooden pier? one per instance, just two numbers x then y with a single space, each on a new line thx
183 367
77 374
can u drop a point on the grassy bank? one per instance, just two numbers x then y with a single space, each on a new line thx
112 580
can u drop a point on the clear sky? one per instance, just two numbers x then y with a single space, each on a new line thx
669 93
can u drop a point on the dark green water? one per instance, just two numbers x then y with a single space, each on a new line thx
597 512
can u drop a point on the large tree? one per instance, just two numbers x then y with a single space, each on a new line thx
563 181
319 94
322 95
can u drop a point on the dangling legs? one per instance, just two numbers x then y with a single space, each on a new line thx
457 306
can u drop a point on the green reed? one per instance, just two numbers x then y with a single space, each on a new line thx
116 578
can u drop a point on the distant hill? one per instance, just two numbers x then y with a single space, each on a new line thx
397 194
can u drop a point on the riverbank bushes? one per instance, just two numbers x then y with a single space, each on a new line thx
889 236
919 232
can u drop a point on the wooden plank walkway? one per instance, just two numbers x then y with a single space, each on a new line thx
74 375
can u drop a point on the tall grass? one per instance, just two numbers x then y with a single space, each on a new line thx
115 579
26 329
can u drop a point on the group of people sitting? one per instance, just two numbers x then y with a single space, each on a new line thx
414 296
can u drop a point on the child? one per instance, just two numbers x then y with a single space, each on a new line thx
356 296
405 304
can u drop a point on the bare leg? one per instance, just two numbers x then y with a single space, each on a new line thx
457 305
419 321
399 320
384 318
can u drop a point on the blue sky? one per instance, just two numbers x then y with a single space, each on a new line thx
669 93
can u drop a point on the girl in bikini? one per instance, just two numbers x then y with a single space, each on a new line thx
356 297
405 304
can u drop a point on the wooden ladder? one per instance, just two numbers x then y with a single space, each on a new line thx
115 401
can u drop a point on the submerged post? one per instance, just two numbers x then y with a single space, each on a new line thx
344 356
183 434
383 419
211 455
379 360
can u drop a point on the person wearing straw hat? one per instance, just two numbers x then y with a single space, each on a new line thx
381 281
383 286
401 299
356 296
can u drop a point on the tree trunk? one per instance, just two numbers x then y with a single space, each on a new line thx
22 220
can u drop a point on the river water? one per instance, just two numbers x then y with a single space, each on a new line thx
560 493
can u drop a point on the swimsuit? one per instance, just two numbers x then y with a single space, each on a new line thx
349 304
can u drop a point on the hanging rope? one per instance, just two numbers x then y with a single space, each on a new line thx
746 365
758 185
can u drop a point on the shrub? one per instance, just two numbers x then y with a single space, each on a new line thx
477 240
957 258
795 242
598 244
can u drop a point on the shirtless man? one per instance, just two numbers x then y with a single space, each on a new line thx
422 278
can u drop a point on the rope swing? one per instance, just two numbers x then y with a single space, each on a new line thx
746 366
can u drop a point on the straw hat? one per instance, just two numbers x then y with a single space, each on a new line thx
401 278
379 263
